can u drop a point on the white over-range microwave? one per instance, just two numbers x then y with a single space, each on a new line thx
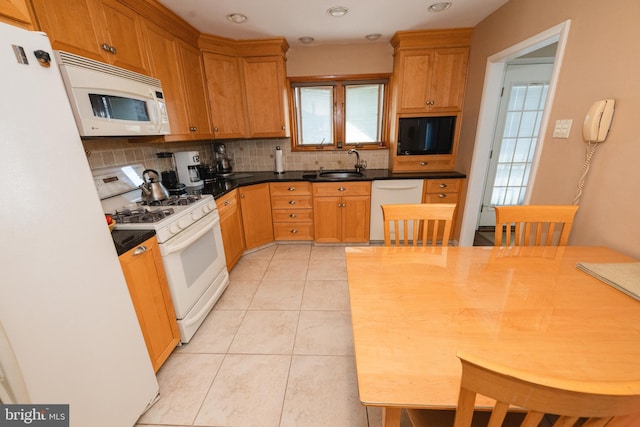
112 101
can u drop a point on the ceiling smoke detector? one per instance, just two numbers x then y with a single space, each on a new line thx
237 18
337 11
439 7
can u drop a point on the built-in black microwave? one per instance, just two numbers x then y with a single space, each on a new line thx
426 135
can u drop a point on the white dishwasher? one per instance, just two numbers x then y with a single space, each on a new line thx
390 192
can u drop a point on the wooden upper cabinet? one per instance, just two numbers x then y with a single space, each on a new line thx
247 87
431 80
104 30
194 88
264 79
225 91
164 64
430 70
16 12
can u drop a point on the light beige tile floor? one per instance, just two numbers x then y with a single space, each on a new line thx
276 350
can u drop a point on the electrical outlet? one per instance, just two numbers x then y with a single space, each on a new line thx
562 129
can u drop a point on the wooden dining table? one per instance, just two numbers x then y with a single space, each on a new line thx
414 308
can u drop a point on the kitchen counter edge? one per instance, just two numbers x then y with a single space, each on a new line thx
224 186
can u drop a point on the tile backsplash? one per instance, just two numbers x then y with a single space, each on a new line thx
248 155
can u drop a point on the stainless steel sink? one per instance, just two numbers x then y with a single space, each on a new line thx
340 174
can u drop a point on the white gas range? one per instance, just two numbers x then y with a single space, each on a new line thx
188 232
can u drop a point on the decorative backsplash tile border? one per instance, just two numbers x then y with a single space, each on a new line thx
248 155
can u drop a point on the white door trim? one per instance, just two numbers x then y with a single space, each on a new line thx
488 115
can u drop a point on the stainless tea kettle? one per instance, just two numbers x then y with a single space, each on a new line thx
152 188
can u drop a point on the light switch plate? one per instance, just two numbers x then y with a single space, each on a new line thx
562 129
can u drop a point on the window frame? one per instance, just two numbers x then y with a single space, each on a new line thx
339 93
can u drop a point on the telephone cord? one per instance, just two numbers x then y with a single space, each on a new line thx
590 151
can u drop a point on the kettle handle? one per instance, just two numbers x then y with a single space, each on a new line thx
146 172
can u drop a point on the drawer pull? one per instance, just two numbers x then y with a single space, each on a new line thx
342 189
226 202
293 216
443 185
294 231
292 202
291 188
140 250
442 196
423 163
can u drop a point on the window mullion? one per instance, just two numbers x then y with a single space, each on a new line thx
338 115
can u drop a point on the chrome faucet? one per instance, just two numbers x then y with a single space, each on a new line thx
359 165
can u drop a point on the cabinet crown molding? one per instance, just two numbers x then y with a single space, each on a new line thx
260 47
431 38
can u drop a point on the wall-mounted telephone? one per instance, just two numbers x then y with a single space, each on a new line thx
598 121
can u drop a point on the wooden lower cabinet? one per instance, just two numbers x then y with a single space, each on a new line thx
255 202
446 190
145 276
341 212
231 225
292 210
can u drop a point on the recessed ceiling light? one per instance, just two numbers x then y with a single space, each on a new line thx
237 18
372 37
439 7
337 11
306 40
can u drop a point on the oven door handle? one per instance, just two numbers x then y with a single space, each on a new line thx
177 246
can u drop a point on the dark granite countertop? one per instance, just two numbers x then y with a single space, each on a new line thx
239 179
125 240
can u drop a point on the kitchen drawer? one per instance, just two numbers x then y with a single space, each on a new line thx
441 197
291 201
289 188
227 204
443 185
293 231
342 188
292 215
431 163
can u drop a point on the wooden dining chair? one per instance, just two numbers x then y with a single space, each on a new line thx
534 225
429 222
565 402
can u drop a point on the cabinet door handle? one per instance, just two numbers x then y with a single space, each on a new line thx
105 47
292 202
442 196
216 129
342 189
193 128
423 163
112 49
226 202
140 250
443 185
284 128
342 205
294 231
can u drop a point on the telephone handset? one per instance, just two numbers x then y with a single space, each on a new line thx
598 121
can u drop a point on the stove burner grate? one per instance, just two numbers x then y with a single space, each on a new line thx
141 215
181 200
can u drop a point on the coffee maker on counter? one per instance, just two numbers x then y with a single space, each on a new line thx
170 175
224 161
187 163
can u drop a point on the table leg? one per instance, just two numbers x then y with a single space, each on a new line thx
391 417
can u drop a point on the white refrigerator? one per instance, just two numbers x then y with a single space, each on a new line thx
68 330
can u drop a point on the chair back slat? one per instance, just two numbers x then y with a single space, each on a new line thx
430 222
528 225
571 403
